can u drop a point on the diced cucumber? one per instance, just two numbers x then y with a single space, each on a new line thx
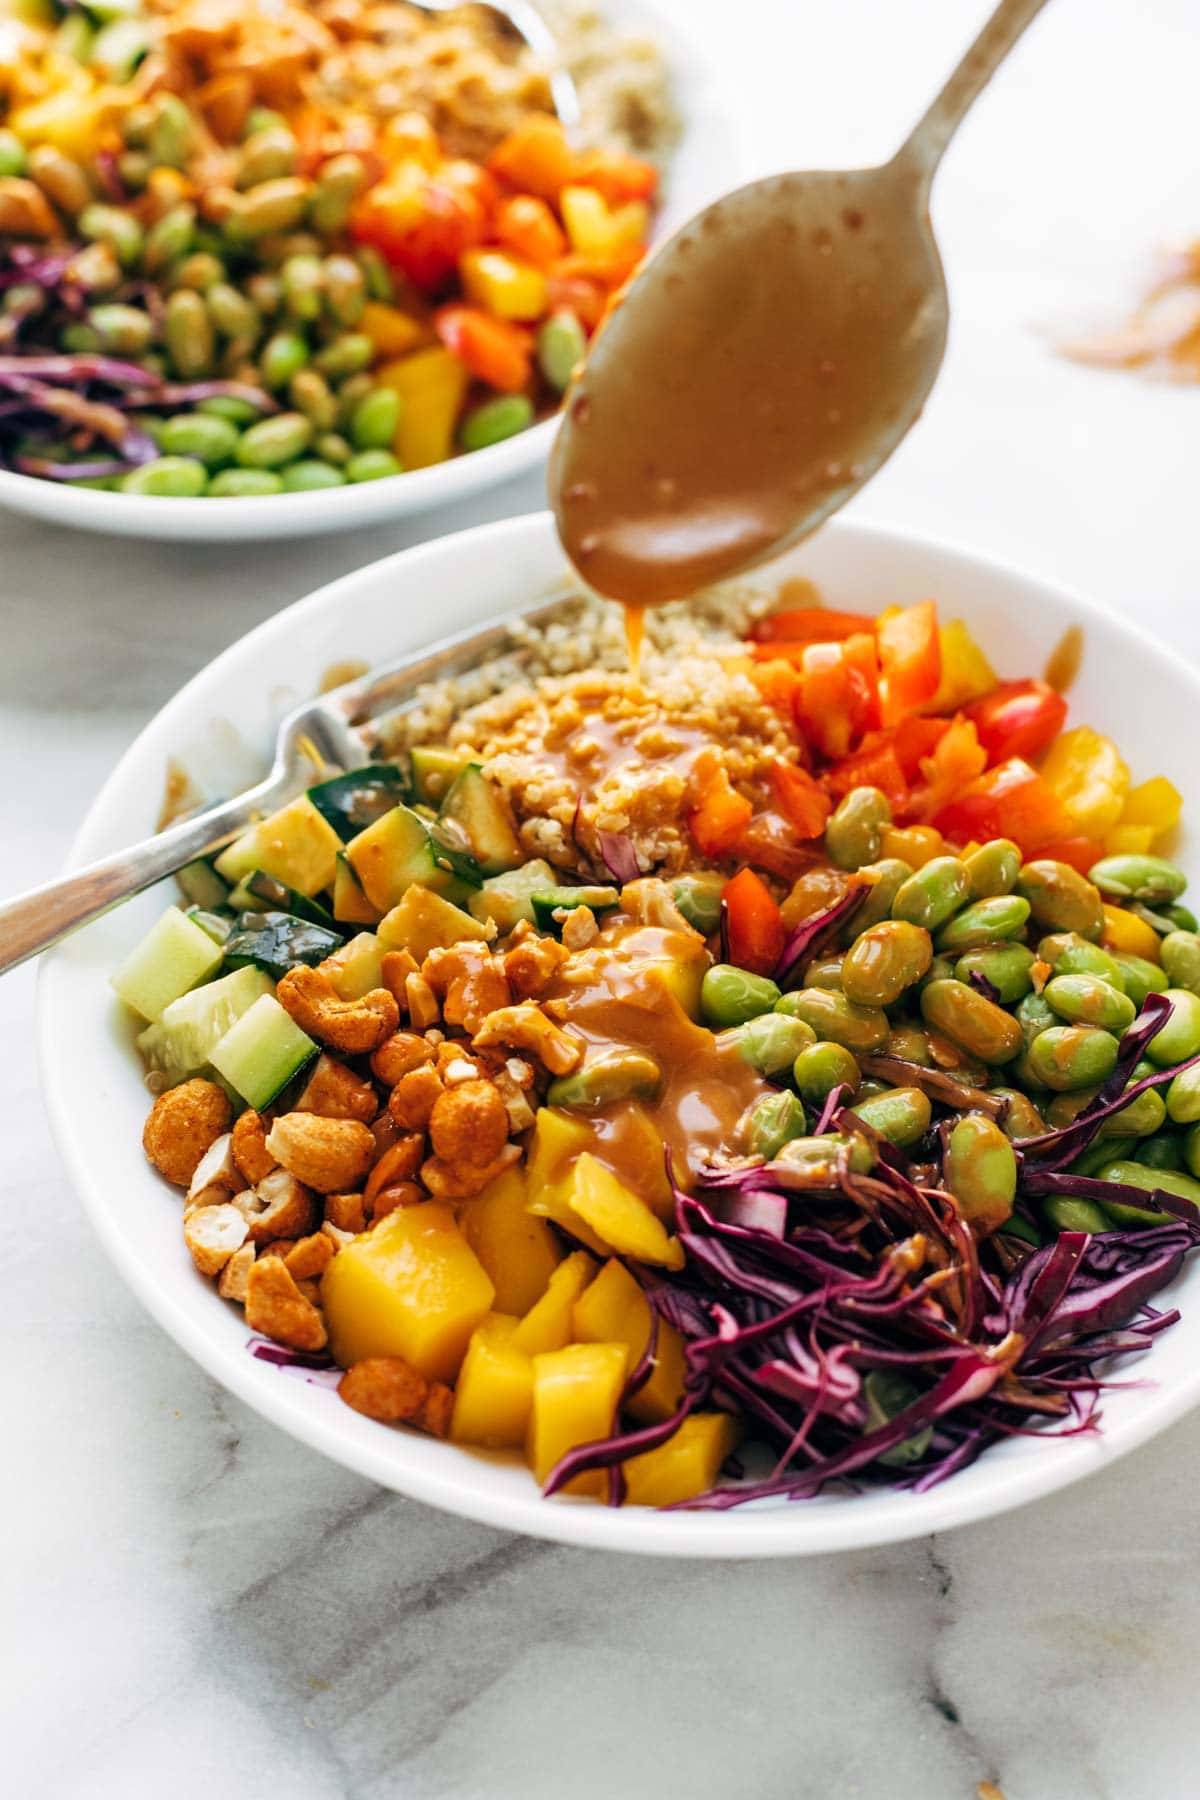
175 955
353 801
398 850
201 884
547 902
261 892
357 967
350 904
178 1045
295 845
261 1053
507 898
477 805
433 771
698 898
217 925
277 942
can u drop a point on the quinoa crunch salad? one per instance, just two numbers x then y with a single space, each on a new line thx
774 1069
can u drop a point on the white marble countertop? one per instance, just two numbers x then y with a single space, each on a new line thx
194 1604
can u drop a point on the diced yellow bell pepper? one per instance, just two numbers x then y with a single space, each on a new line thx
502 284
1156 803
1086 771
547 1325
686 1465
576 1391
966 672
557 1140
423 921
393 332
1128 840
613 1309
494 1392
1131 936
71 121
350 904
432 385
295 844
617 1215
411 1287
595 228
519 1252
913 844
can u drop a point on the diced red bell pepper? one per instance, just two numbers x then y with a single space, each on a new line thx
957 759
754 927
916 739
720 816
424 234
606 272
770 842
802 801
910 660
1010 801
526 224
1019 718
493 350
799 625
616 175
838 697
874 765
535 157
778 682
1082 853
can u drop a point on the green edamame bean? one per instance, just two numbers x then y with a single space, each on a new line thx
910 1044
561 346
1183 1097
169 238
172 130
376 274
309 474
1162 1151
822 1067
337 184
231 312
211 441
275 441
1141 1175
1181 959
1034 1014
613 1075
199 271
730 996
870 1089
283 355
771 1042
1022 1119
1060 898
1006 966
332 447
772 1122
301 280
496 420
188 332
981 1171
124 330
312 395
983 922
1097 1155
1062 1213
1073 1056
820 1158
350 354
885 960
264 290
1181 917
61 179
992 869
1151 879
135 168
1141 1118
853 833
267 154
698 898
933 893
859 1029
1077 957
1141 978
241 484
345 290
971 1020
901 1115
12 154
269 206
1066 1107
374 421
886 878
119 230
940 969
1179 1038
824 972
229 406
167 477
1086 1000
373 465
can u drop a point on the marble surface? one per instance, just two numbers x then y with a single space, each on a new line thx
190 1602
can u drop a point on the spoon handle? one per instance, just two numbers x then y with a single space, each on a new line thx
923 149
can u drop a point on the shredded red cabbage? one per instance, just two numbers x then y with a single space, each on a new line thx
812 932
618 856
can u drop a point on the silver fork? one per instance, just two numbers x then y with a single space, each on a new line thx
336 724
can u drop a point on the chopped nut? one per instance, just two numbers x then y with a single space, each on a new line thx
402 1193
331 1155
231 1284
422 1003
520 1113
280 1207
250 1153
400 1056
183 1123
468 1123
385 1131
434 1416
356 1027
384 1388
214 1178
532 965
281 1247
397 1163
337 1237
412 1099
311 1291
459 1069
524 1027
579 928
398 965
310 1257
335 1092
346 1214
471 980
462 1181
212 1234
276 1307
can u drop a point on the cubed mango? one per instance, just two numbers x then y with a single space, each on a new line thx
547 1325
618 1216
494 1392
519 1252
576 1391
686 1465
613 1309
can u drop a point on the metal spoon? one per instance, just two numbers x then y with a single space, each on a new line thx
765 363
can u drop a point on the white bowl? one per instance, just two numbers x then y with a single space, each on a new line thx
98 1104
703 165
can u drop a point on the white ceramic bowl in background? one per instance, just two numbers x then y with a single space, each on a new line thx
702 166
222 726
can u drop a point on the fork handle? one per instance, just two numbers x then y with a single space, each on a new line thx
34 921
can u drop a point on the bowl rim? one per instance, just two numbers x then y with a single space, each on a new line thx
778 1531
